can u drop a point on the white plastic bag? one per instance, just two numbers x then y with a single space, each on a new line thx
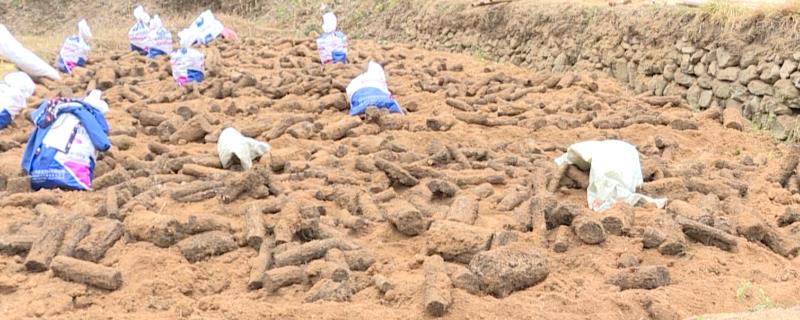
75 50
187 66
159 39
203 30
332 44
137 35
370 90
23 58
15 90
231 143
615 172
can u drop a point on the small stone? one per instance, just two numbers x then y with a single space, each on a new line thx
684 79
627 260
726 58
705 98
787 68
771 73
748 74
728 74
759 88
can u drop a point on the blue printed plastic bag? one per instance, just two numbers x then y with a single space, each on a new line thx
203 30
75 50
62 149
139 32
332 45
370 90
187 66
159 39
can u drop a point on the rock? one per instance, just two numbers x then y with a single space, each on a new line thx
705 98
684 79
704 82
619 69
627 260
759 88
749 58
787 92
721 89
456 241
508 269
693 95
732 119
771 73
728 74
406 218
647 277
787 68
726 58
748 74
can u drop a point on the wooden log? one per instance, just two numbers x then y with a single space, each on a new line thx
260 264
589 230
78 228
436 293
18 244
512 200
85 272
311 250
707 235
339 130
340 270
288 223
102 237
619 219
562 238
646 277
254 224
46 246
285 276
396 173
208 244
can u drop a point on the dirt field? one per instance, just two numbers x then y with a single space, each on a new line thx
355 211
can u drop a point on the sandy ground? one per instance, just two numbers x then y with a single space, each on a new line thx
161 283
531 118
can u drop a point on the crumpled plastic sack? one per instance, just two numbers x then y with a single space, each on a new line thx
370 90
332 44
614 172
138 33
15 90
159 39
62 150
232 143
23 58
75 50
187 66
204 29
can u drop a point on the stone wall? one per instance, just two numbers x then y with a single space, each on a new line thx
749 64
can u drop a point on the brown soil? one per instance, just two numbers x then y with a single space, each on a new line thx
531 119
